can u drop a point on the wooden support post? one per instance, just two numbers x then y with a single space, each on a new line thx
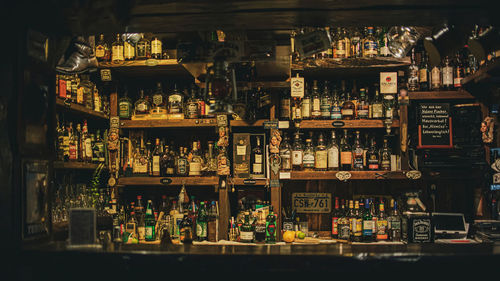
224 209
403 136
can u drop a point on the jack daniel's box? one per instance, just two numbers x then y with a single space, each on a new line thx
417 227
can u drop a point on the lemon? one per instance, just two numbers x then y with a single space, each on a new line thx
289 236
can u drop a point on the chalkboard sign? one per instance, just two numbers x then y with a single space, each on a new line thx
434 129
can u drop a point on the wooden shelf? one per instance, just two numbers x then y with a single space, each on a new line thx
168 181
250 181
80 109
264 84
334 66
483 74
433 95
243 123
156 67
180 123
355 175
75 165
139 63
348 124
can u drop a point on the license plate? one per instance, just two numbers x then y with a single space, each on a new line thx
312 202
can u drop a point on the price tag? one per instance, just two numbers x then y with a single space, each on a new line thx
312 202
105 75
297 87
285 175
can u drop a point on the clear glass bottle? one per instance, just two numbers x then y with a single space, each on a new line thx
156 158
326 102
257 159
142 106
383 43
388 106
306 104
156 48
447 74
345 153
356 44
357 153
321 155
143 48
297 153
195 162
128 50
316 101
423 73
117 50
285 154
336 112
370 44
459 72
413 84
309 159
436 78
333 153
340 44
175 101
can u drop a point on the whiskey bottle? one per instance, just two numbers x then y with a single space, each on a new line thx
79 142
297 153
192 106
333 153
321 155
336 112
210 102
285 105
87 91
182 165
285 154
316 102
271 227
459 71
100 150
388 106
413 84
156 48
372 156
370 46
344 225
340 44
142 106
143 48
382 234
125 106
336 214
394 223
385 157
356 44
363 105
326 102
175 101
159 104
156 159
128 50
368 223
306 105
257 160
246 230
308 159
163 161
447 74
149 223
72 144
345 153
102 50
296 110
117 50
348 108
436 78
87 143
357 153
423 74
195 162
383 43
356 223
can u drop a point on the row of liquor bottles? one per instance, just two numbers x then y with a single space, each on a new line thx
179 219
76 143
161 159
332 103
128 47
334 155
189 104
79 89
366 220
256 225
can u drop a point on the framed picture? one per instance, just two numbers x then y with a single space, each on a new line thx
35 198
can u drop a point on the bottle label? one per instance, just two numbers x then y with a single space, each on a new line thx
141 230
117 53
388 113
181 166
201 229
325 110
422 75
316 108
258 158
385 164
97 102
308 160
381 230
79 95
285 161
336 112
141 50
347 112
73 152
333 157
192 110
241 150
149 230
124 110
141 107
345 158
246 235
128 50
357 227
88 148
395 225
157 99
457 82
194 169
321 159
156 47
363 113
435 77
448 75
297 157
370 48
257 168
345 231
384 50
368 227
377 110
99 51
306 108
335 224
156 165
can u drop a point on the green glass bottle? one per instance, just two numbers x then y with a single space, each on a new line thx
271 227
202 223
149 221
246 230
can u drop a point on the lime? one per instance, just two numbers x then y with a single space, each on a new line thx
302 235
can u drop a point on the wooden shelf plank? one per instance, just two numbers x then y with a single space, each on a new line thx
155 67
348 124
249 181
482 74
337 63
80 109
355 175
157 181
75 165
139 63
243 123
265 84
432 95
163 123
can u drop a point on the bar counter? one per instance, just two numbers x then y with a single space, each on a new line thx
55 261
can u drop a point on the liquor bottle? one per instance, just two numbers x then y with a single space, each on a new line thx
340 44
163 160
377 108
436 78
156 48
321 155
117 50
336 214
363 105
308 159
149 223
423 73
296 110
306 104
356 44
394 223
86 89
210 102
175 101
383 43
297 153
326 102
381 223
79 142
211 159
125 106
459 71
128 50
260 227
202 223
195 162
357 153
357 223
149 156
316 101
344 224
142 106
333 153
186 228
143 48
285 105
447 74
348 107
271 227
158 105
354 98
102 50
192 111
87 143
72 144
156 159
370 45
246 230
131 227
99 147
372 156
413 84
385 157
141 215
368 223
336 112
257 159
388 106
285 154
345 153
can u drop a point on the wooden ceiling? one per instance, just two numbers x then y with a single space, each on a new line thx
185 16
